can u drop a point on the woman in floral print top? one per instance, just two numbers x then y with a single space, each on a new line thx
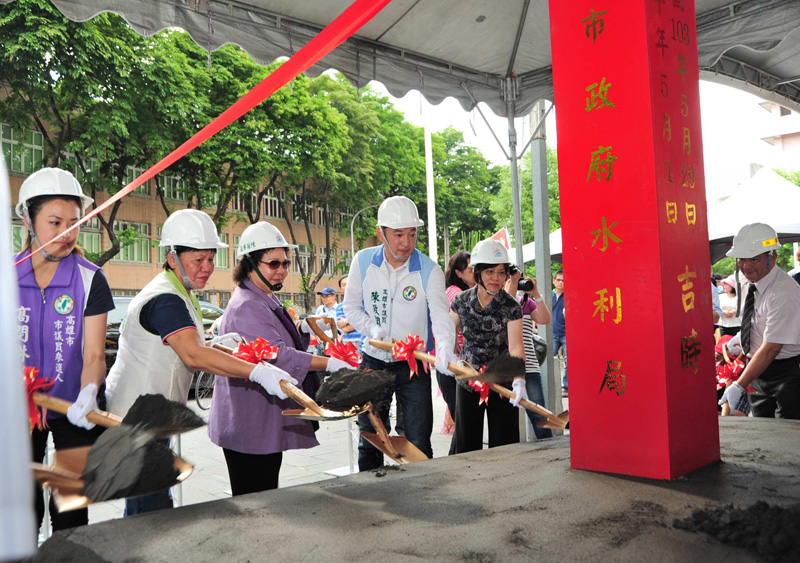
491 322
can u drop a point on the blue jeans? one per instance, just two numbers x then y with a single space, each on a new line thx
561 342
533 385
413 401
148 503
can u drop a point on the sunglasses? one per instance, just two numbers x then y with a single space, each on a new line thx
275 264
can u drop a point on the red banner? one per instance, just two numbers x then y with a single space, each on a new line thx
339 30
635 239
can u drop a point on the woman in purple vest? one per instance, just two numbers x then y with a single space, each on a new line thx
245 421
64 300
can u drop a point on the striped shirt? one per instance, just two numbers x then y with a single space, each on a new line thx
531 361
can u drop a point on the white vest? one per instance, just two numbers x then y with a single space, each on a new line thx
144 363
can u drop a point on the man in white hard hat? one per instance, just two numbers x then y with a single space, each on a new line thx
770 334
161 343
393 291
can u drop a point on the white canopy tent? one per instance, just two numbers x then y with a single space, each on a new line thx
766 198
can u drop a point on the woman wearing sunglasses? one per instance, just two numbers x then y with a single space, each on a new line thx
244 421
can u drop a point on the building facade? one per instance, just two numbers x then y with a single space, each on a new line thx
141 211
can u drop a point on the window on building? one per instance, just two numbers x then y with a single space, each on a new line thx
272 204
221 257
70 163
345 257
18 236
89 238
236 239
345 216
297 210
133 172
304 252
174 188
323 254
139 251
321 215
22 150
240 200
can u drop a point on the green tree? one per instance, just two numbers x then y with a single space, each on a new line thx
502 205
95 91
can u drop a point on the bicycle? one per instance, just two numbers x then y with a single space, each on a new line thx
204 390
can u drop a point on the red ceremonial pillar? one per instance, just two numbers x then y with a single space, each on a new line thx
635 238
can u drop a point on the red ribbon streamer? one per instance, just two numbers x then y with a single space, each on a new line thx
256 351
346 352
404 350
338 31
483 388
35 384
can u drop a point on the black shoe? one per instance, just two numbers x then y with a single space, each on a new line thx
564 393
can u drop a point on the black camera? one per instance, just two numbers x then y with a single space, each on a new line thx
525 284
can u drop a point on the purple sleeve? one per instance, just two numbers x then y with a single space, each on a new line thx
529 306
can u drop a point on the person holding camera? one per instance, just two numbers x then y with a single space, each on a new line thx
534 312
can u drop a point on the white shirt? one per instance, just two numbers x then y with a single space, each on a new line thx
728 303
777 313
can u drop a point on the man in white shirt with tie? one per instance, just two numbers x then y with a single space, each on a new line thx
770 335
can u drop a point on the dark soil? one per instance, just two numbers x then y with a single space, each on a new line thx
771 531
159 414
382 471
127 461
347 388
503 369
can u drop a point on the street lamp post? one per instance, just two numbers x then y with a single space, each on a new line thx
352 223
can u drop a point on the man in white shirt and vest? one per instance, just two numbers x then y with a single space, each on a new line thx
770 334
393 291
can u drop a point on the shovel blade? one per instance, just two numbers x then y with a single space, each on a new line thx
326 414
406 451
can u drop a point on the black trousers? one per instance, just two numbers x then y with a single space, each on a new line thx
503 420
447 384
65 436
778 390
252 473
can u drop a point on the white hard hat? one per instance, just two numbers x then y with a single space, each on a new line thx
50 182
259 236
192 228
489 251
754 239
398 212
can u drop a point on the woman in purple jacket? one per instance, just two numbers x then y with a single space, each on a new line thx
64 301
244 420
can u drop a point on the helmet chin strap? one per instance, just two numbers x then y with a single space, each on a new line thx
480 282
47 256
184 278
388 247
272 287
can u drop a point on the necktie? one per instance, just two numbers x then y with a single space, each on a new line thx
747 317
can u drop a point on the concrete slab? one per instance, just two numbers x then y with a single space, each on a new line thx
518 502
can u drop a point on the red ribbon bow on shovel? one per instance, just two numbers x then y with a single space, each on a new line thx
256 351
482 387
404 350
346 352
34 384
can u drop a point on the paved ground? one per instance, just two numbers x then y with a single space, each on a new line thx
330 459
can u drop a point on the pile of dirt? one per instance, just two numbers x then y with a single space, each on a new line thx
127 461
159 414
348 388
771 531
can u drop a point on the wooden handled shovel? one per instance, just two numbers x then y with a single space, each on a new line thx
553 420
60 405
311 410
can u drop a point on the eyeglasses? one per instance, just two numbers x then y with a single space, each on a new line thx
275 264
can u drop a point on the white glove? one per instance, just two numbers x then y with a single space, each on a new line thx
335 364
733 395
520 391
735 346
269 377
321 324
378 333
83 405
443 358
229 340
